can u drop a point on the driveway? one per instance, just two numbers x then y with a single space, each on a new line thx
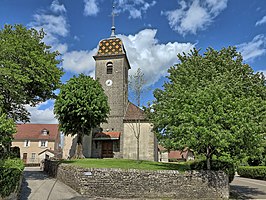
37 185
249 188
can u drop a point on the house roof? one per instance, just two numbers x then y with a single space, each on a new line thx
133 112
34 132
107 136
176 154
49 150
161 148
179 154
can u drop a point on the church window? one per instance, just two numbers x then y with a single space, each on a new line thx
109 68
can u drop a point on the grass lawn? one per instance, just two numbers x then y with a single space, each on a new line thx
128 164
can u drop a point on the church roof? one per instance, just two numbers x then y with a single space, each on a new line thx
111 46
133 112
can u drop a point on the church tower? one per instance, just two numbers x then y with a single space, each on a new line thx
117 139
112 72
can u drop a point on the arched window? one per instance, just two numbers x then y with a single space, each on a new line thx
109 68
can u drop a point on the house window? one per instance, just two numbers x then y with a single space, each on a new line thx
43 143
45 132
26 143
33 156
109 67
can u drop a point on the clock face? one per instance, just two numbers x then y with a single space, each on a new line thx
109 82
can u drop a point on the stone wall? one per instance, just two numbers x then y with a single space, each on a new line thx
118 183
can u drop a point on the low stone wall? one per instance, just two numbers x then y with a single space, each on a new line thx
118 183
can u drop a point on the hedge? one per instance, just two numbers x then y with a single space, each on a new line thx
258 172
216 165
10 174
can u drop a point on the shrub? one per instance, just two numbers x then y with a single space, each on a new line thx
14 152
216 165
258 172
10 173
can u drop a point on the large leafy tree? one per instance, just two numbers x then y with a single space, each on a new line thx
28 70
81 106
213 103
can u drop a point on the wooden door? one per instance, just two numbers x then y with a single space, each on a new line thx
107 149
24 158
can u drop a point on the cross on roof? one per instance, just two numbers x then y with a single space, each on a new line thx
113 21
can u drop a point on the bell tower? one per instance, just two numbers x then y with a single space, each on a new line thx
112 71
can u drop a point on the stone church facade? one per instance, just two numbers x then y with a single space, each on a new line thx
116 138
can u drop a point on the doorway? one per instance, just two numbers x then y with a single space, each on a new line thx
24 158
107 149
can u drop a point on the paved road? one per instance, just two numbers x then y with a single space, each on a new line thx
249 188
37 185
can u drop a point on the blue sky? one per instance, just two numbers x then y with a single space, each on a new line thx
153 32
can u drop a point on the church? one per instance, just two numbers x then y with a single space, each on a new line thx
117 138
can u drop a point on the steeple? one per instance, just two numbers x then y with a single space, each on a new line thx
113 23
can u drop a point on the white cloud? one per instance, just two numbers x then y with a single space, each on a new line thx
145 52
194 15
54 25
80 62
57 8
262 21
42 116
91 8
135 8
76 38
253 49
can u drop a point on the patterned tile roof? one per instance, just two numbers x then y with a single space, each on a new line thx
34 132
111 46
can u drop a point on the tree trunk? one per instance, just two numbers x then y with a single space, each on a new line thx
208 156
79 150
138 136
138 149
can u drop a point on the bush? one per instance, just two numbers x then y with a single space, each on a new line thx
5 154
258 172
14 152
10 173
216 165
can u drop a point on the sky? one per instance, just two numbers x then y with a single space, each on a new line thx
153 33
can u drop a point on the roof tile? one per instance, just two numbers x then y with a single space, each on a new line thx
134 112
34 132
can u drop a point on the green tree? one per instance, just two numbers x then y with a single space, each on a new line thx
212 103
28 70
7 129
136 85
81 106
